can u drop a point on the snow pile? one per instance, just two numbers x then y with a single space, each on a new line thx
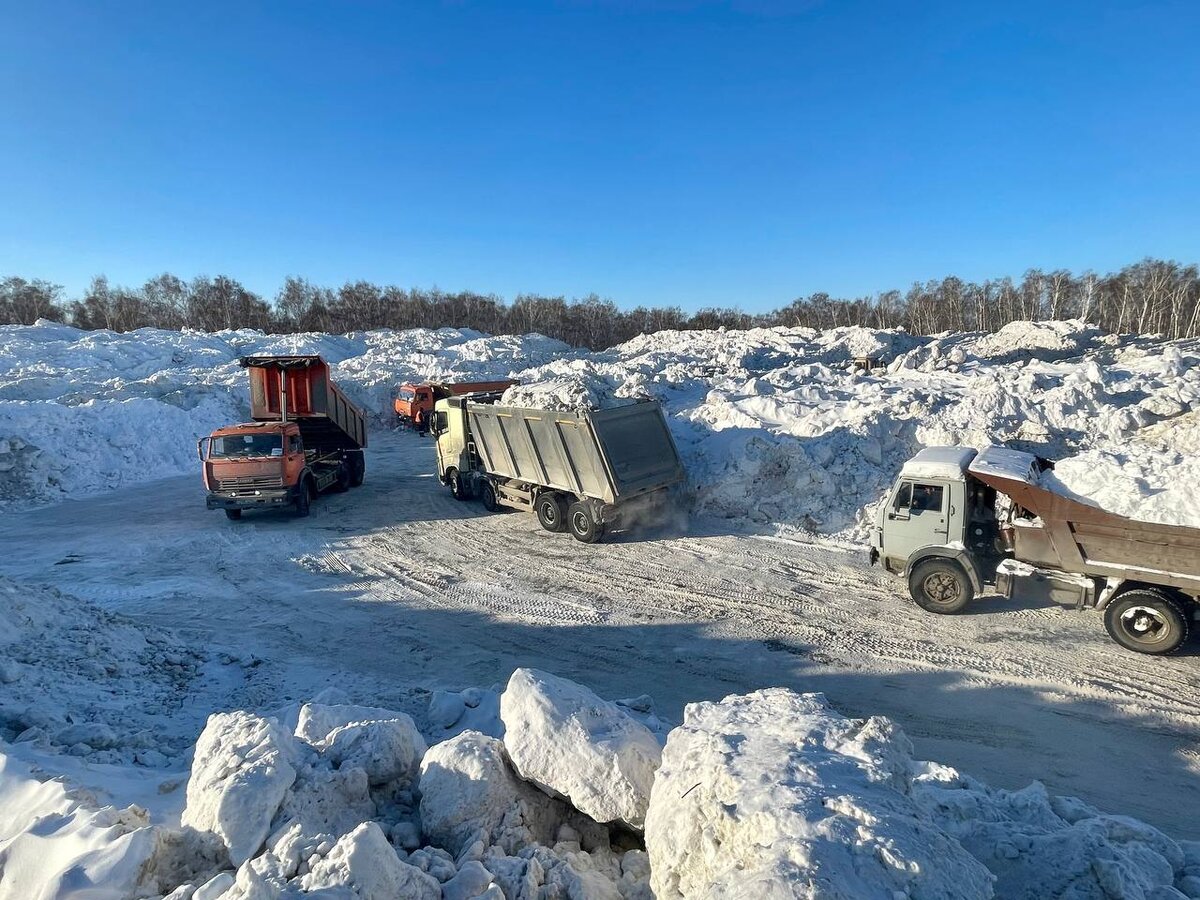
353 803
1038 845
775 425
79 680
572 744
1140 483
771 794
578 390
1152 477
57 843
87 411
775 793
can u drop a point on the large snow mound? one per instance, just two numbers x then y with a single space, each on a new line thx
775 425
772 794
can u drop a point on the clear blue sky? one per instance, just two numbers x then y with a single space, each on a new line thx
687 153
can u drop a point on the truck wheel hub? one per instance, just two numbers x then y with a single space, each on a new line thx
942 587
1142 621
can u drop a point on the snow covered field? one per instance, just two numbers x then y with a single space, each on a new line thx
129 614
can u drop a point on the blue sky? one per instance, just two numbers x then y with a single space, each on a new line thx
690 153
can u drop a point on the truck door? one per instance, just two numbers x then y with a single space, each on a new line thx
916 517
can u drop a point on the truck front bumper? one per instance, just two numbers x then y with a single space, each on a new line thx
251 499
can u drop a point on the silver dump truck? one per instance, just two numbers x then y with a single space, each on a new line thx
958 521
579 472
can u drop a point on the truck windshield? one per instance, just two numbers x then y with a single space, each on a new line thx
405 393
242 445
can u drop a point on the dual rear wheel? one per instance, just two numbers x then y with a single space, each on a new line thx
557 514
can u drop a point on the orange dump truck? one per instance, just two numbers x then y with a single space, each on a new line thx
414 402
306 438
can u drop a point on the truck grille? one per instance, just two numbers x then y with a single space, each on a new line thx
242 482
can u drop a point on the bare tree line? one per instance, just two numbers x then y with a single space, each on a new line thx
1149 297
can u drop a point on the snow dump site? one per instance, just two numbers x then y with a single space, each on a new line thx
402 696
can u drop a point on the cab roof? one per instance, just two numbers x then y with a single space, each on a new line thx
940 462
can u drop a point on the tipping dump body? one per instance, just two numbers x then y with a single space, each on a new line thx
1072 536
302 386
609 455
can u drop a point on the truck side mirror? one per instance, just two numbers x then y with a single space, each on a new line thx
200 447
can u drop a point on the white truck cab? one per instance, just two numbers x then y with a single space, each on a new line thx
938 528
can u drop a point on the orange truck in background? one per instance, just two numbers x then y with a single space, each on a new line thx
306 438
414 402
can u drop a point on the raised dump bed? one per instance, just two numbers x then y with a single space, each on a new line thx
299 389
1059 532
305 438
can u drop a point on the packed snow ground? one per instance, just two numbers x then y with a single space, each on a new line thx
131 615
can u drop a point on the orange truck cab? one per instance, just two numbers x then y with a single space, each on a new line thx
306 438
414 402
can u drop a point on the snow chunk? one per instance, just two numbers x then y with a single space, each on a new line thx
469 792
365 862
777 790
386 750
572 744
317 720
242 770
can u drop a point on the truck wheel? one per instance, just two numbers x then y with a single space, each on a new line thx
1147 621
233 513
358 468
343 478
940 586
458 487
487 496
304 499
551 511
583 526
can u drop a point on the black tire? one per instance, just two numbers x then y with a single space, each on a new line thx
304 499
358 468
551 511
487 496
583 524
940 586
343 478
233 514
458 487
1147 621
